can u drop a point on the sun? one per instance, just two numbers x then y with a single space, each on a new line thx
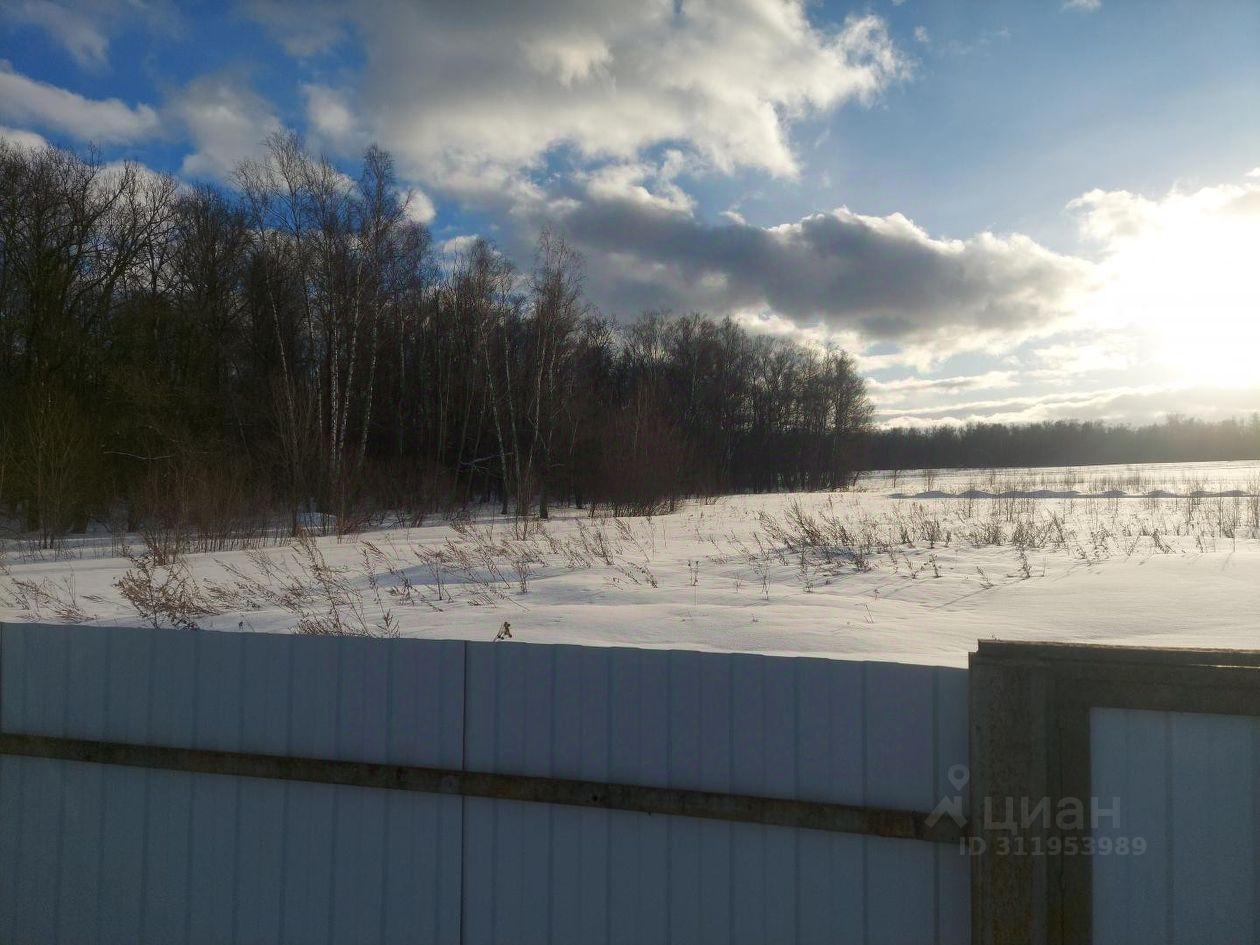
1184 278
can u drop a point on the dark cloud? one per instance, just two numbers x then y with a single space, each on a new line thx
881 276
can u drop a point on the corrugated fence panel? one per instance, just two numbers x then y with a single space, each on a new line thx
1186 787
952 752
110 854
823 730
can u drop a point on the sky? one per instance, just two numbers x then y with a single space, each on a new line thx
1006 211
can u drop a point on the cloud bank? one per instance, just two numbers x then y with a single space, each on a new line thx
883 277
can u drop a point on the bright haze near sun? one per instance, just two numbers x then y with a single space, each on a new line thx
1006 211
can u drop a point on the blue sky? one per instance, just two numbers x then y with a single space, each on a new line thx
1005 210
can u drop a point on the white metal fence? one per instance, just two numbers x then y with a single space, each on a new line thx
1184 789
100 853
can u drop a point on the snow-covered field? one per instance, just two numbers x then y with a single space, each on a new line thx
965 555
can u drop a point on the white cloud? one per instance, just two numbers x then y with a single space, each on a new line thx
107 121
83 27
900 388
22 138
1085 6
331 120
420 207
72 28
1146 403
570 58
226 121
305 29
1082 352
458 90
644 183
457 244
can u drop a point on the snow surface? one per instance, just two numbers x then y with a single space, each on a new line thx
917 579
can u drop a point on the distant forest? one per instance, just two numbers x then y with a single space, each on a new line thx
295 344
206 359
1062 443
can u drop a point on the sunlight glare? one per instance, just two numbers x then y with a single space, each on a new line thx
1185 273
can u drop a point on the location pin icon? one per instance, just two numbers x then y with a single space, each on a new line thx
958 776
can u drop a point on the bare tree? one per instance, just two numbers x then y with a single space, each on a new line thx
558 311
297 339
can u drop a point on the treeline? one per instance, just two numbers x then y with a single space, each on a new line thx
1063 443
295 344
